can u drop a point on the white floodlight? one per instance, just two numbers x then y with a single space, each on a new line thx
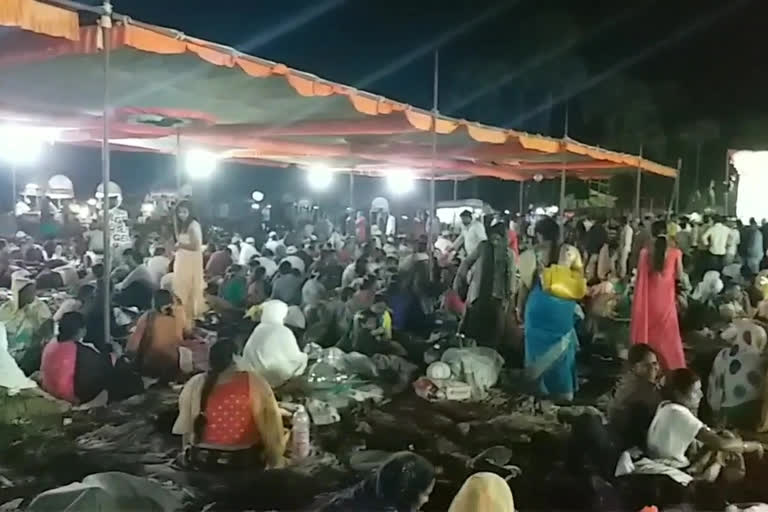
752 167
400 181
200 163
23 145
255 206
257 196
319 176
92 201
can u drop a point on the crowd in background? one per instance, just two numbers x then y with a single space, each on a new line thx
530 287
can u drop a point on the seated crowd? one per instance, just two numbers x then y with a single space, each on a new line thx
375 296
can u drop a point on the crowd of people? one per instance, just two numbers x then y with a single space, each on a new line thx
529 286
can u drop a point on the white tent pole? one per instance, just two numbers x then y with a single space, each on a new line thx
432 204
727 179
106 23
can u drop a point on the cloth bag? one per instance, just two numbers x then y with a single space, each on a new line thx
563 282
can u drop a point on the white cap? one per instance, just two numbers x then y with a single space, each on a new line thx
250 240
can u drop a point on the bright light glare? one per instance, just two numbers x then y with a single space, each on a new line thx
200 163
147 208
400 181
319 177
255 206
92 201
74 208
257 196
23 145
84 213
752 167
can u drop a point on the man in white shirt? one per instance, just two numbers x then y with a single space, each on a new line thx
136 289
234 248
247 251
472 233
732 245
158 265
716 241
626 236
272 242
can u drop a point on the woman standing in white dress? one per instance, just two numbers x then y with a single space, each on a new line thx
188 280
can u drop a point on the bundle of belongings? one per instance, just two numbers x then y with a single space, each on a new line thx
461 374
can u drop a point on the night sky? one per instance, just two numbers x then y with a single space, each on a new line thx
517 63
714 50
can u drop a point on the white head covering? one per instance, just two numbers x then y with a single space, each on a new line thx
19 280
11 376
709 286
486 492
272 351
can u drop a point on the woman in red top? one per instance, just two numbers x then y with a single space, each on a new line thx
72 370
229 417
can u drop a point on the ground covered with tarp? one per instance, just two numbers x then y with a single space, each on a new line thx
508 433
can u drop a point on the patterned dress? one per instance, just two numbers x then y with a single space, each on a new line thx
736 380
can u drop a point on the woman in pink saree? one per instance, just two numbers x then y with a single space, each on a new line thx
654 308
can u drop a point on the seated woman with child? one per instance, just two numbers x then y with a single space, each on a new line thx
670 443
78 372
229 417
630 412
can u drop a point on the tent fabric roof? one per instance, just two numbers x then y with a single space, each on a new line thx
165 84
41 18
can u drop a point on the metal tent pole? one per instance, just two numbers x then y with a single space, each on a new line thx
677 185
520 201
561 210
638 183
179 162
561 207
351 191
698 166
455 189
13 189
674 201
105 24
432 205
727 180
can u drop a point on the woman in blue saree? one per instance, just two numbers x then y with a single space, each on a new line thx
549 322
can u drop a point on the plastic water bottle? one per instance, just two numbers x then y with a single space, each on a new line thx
300 433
